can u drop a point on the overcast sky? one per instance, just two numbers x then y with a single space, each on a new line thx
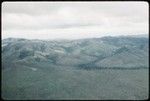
73 20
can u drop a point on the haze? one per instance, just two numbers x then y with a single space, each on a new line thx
73 20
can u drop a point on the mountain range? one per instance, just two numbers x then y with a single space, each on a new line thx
106 68
106 52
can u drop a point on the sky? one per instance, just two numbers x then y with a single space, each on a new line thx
73 20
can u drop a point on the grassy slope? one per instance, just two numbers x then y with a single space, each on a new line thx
60 83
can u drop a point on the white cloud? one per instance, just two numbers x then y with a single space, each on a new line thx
50 20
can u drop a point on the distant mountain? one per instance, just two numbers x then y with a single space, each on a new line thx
106 52
138 36
106 68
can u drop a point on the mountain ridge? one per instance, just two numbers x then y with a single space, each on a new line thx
98 52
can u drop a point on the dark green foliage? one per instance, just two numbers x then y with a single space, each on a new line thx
52 57
26 53
120 50
37 59
68 49
43 48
